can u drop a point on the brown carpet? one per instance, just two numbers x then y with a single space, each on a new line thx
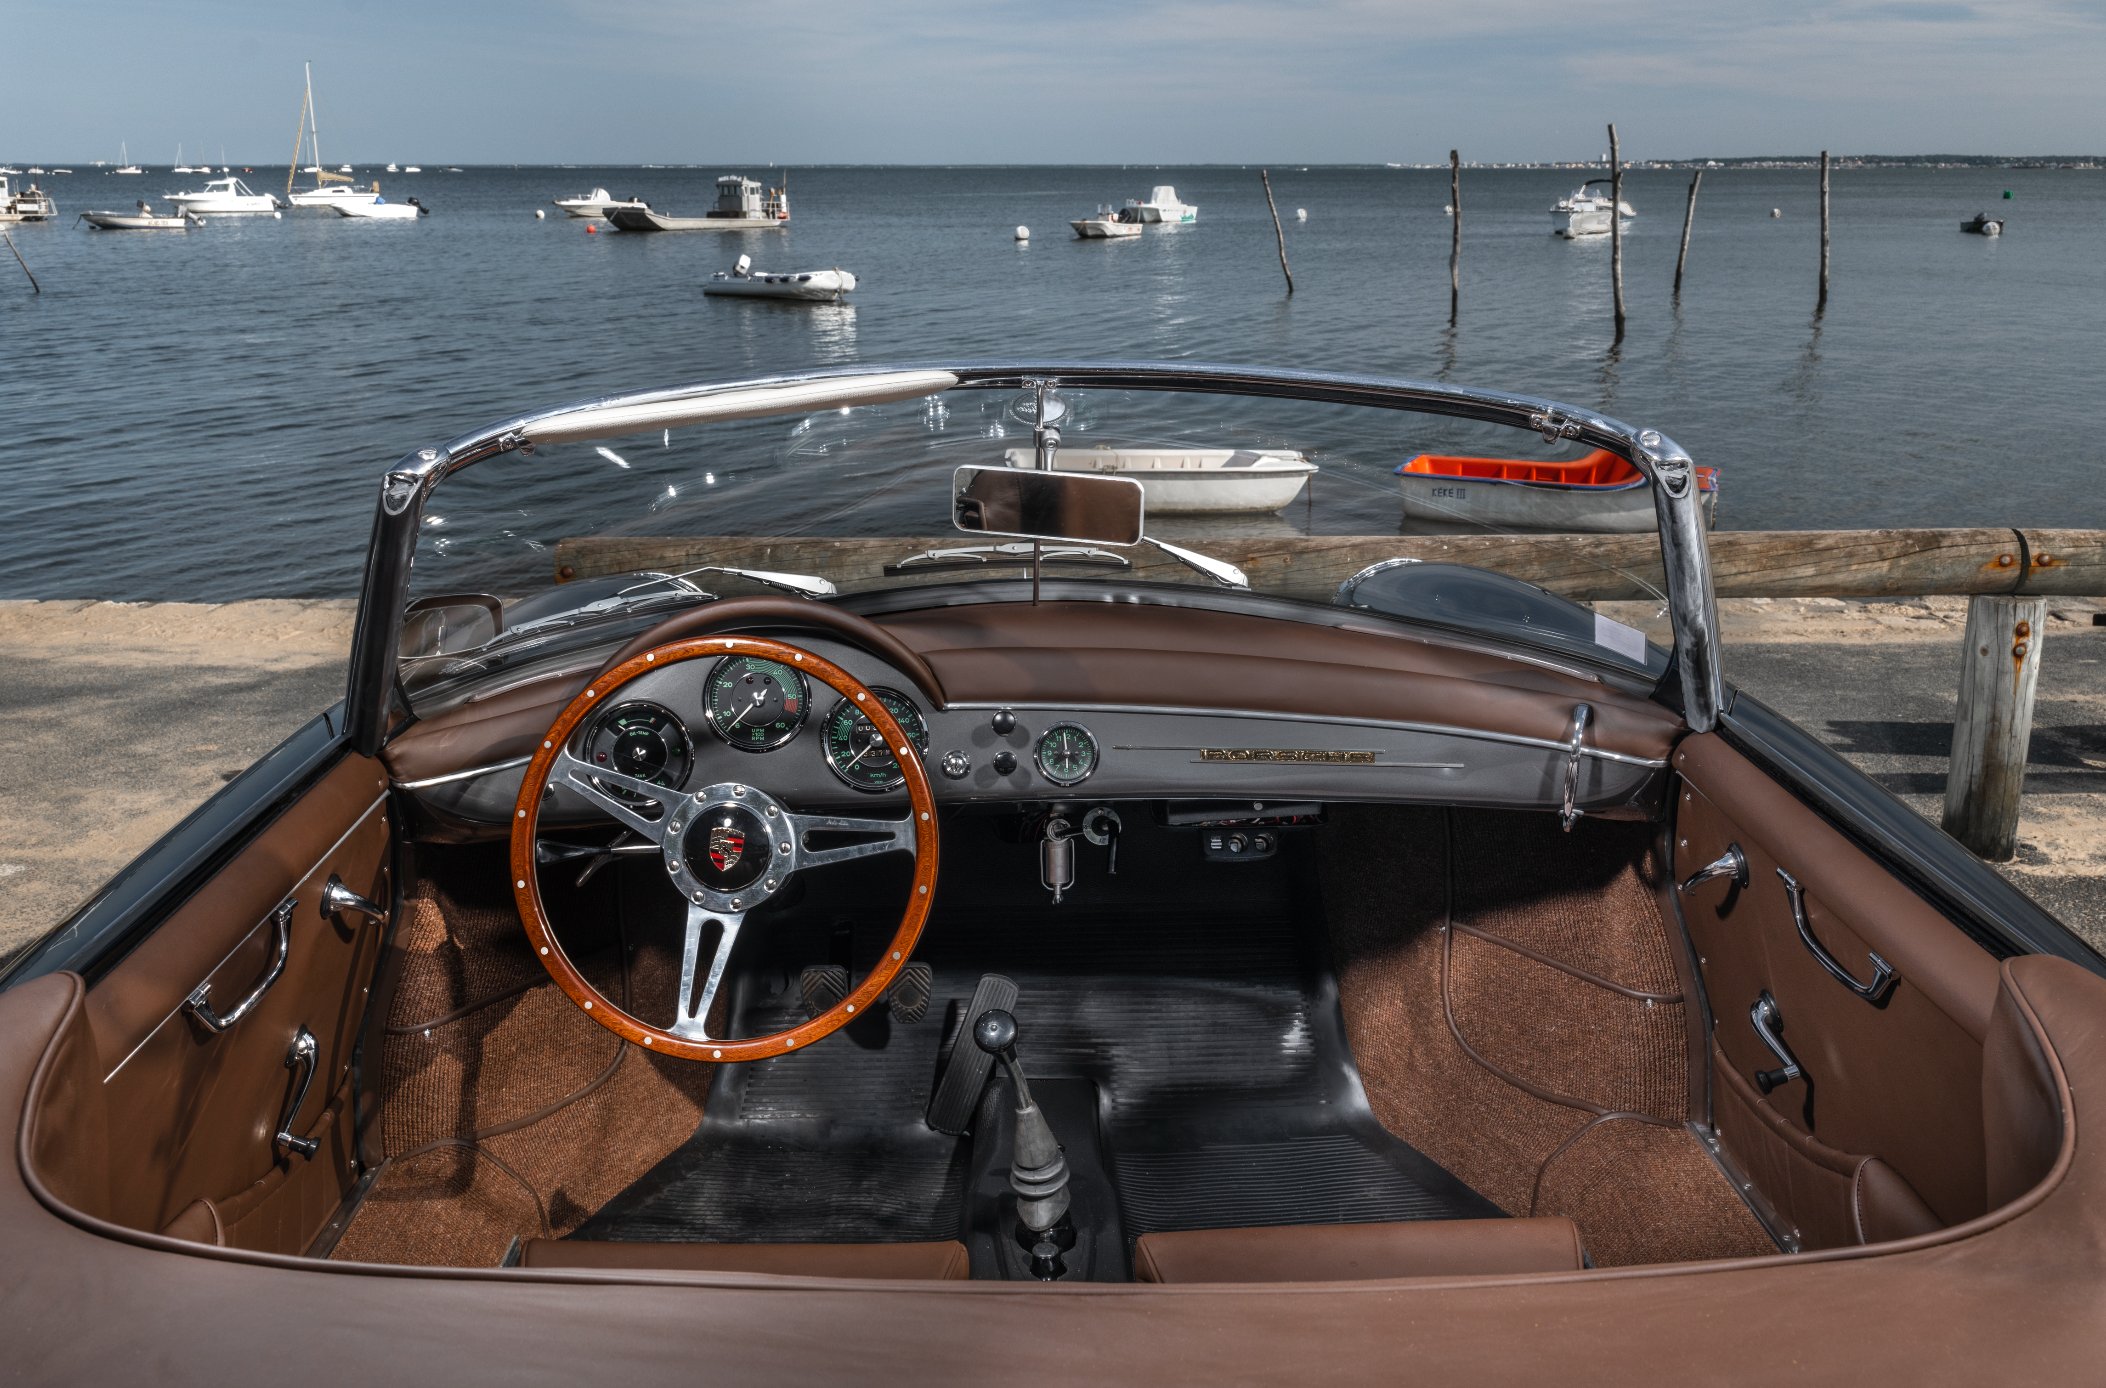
1558 1044
504 1109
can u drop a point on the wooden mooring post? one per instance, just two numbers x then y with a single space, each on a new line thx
1999 667
1823 304
1455 233
1616 227
1280 235
1688 216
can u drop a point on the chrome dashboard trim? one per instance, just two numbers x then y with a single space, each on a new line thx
469 774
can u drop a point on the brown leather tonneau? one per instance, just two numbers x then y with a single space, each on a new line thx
1358 1252
943 1261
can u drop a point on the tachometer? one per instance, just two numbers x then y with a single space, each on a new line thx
642 740
856 752
755 705
1066 754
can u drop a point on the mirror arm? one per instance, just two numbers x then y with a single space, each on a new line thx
1227 575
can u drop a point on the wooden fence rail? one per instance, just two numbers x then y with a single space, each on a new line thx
1745 563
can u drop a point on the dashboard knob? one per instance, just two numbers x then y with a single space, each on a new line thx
1004 723
957 765
1005 763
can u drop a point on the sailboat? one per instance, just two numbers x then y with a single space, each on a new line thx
330 189
127 166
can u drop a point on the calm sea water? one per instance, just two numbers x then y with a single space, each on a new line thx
204 415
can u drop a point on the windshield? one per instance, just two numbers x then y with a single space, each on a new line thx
1441 522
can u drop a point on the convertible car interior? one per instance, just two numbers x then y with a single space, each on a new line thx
1065 931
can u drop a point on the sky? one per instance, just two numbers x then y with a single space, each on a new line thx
1078 81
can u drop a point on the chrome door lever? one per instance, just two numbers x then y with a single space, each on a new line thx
305 1051
1580 714
198 1006
1767 1019
338 898
1731 863
1883 975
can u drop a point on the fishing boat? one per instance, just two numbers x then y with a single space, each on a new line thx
228 194
1600 492
330 189
31 204
145 219
598 203
1105 226
1586 214
1189 481
742 205
380 209
1161 205
1982 224
809 286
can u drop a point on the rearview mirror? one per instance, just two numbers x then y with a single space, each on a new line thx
1032 505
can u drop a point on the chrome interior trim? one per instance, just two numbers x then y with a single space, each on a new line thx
179 1007
470 773
1547 743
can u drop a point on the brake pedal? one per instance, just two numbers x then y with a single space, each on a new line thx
958 1092
821 987
910 993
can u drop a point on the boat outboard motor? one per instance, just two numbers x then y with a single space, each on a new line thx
744 266
1038 1172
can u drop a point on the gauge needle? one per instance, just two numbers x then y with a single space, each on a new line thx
875 742
758 697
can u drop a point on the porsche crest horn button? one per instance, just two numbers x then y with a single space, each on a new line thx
727 848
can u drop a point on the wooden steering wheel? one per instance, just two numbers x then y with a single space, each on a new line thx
726 848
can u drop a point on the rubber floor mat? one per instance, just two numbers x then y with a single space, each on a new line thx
1195 997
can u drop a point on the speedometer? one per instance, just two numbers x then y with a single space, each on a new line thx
855 751
755 705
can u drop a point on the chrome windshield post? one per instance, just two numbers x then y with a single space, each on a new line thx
376 640
1686 555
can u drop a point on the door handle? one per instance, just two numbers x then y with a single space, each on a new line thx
198 1006
338 898
1883 975
1767 1019
1580 714
1731 863
305 1052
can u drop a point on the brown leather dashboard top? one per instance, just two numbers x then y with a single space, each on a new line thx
1080 654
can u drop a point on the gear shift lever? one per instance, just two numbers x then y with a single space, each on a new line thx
1038 1173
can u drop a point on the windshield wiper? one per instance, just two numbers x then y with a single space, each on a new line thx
1006 556
803 585
1225 574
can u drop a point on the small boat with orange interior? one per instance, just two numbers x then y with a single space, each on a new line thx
1600 491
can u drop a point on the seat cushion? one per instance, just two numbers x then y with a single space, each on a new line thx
1350 1252
930 1262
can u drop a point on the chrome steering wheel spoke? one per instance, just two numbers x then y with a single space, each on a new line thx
592 782
692 1023
880 836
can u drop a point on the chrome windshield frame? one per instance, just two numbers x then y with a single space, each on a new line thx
371 711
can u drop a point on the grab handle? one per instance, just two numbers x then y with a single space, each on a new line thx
196 1004
307 1052
1883 975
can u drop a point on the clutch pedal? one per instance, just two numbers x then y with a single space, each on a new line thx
958 1092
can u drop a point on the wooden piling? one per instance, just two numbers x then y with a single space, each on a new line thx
1616 227
1280 235
1455 233
25 265
1688 216
1999 668
1823 304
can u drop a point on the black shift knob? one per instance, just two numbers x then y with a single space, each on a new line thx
995 1031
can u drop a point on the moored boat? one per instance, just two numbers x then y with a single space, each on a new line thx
330 189
380 209
1599 492
224 195
1106 225
1188 481
145 219
598 203
1161 205
743 204
808 286
31 204
1982 224
1586 214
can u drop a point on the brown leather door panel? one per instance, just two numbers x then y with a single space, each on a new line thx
193 1113
1899 1081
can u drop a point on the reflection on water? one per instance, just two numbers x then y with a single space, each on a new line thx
205 416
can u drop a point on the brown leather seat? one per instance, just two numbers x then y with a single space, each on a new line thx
1351 1252
931 1262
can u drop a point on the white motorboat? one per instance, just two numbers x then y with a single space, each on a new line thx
380 209
31 204
1161 205
808 286
145 219
598 203
1585 213
1107 225
742 205
330 189
224 195
391 167
1191 480
412 168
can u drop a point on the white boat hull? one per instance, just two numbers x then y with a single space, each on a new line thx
333 197
380 211
134 221
259 203
643 219
1625 509
1191 481
817 286
1099 229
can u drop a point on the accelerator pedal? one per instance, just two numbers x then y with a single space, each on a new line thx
821 987
958 1092
910 993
